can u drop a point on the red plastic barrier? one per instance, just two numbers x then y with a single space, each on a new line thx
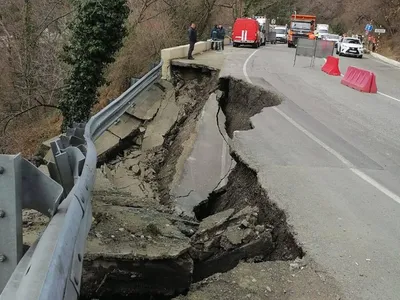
331 67
360 80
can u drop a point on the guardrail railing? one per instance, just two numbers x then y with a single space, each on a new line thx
52 268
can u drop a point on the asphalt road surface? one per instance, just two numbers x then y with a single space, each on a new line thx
330 156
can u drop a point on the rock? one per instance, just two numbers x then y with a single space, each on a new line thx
247 211
134 154
130 162
260 228
248 235
139 140
150 172
153 141
222 260
294 266
115 161
219 94
213 222
102 184
135 169
245 224
142 129
301 262
184 99
233 236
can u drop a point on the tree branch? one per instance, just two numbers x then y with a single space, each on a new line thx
24 112
51 22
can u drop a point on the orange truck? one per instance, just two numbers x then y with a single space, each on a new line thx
301 27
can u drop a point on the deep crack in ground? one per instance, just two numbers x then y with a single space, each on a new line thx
236 223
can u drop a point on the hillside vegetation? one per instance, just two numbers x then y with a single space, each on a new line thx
33 34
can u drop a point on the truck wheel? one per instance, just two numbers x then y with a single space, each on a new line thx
235 45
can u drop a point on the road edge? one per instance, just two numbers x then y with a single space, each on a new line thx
386 59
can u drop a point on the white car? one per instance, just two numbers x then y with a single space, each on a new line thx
332 38
350 46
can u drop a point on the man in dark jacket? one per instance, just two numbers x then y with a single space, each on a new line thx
221 35
214 36
192 40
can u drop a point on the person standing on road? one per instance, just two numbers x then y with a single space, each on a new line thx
192 40
373 44
214 37
221 35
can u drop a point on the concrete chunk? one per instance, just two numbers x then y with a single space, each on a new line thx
148 104
214 221
125 126
162 123
106 142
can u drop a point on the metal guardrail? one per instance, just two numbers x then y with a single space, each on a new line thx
52 268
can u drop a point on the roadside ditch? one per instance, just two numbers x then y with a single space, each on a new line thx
138 247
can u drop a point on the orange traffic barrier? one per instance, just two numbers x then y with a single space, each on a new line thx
360 80
331 66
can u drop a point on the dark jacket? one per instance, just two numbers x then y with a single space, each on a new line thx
221 33
214 33
192 35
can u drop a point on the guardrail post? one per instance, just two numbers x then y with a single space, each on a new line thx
10 216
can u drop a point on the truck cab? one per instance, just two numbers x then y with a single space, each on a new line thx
301 27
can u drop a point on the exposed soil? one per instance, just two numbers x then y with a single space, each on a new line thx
241 101
273 280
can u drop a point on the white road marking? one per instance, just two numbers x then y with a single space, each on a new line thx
390 97
380 93
346 162
245 66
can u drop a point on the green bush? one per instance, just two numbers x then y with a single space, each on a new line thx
97 33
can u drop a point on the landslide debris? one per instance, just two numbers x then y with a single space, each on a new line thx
138 247
264 233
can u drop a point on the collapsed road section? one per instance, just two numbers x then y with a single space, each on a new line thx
139 245
142 245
